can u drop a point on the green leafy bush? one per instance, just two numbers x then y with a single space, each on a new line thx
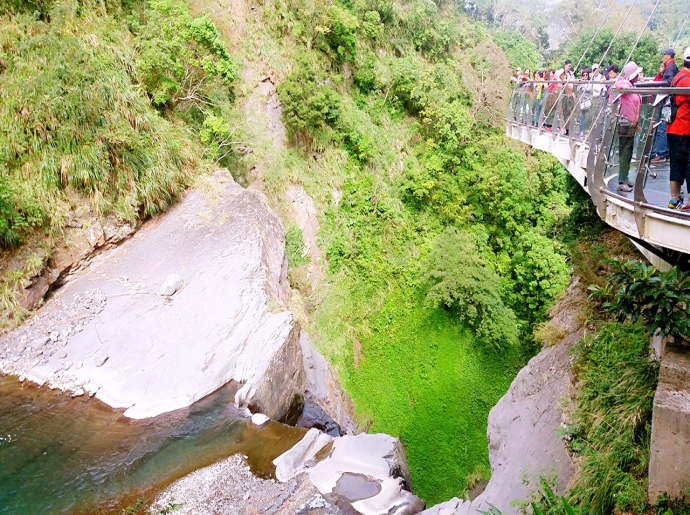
612 428
180 58
459 279
540 274
309 103
17 215
519 50
341 31
639 291
372 24
294 248
365 75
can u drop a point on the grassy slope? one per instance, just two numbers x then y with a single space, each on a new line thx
424 379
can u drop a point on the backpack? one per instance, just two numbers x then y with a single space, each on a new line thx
674 104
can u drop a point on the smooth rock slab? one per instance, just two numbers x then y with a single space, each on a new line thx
360 470
151 354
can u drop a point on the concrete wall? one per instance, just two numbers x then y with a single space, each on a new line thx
669 465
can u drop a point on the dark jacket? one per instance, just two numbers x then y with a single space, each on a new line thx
670 71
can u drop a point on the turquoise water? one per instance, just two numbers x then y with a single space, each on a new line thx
73 456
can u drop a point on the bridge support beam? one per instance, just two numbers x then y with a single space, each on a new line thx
669 460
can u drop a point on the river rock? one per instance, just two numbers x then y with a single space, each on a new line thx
367 472
95 235
231 247
40 342
61 354
173 283
259 419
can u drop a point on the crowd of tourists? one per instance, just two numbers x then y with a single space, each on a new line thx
545 88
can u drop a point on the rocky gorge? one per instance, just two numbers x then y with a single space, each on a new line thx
210 277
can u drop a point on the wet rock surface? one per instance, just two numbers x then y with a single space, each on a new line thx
359 474
229 488
314 416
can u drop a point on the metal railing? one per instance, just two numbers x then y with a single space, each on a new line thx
579 122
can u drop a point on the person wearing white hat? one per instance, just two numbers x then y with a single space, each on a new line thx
598 79
678 134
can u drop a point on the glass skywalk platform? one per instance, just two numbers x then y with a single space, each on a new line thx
579 126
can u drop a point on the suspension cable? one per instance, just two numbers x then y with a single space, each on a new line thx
618 31
682 28
620 27
591 41
639 37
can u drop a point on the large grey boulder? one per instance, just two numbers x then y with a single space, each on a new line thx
362 471
150 352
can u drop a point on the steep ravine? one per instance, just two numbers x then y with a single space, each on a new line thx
522 427
195 300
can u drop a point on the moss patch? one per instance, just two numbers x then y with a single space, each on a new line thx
421 377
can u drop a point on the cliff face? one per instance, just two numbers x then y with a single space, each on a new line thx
523 443
522 429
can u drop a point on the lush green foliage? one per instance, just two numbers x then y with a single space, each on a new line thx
421 376
540 271
179 58
636 290
17 214
390 107
294 248
75 121
548 503
616 382
646 53
519 50
309 103
543 501
460 279
427 206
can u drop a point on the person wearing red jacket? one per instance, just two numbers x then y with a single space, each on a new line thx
678 134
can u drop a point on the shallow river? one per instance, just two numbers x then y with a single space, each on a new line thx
78 456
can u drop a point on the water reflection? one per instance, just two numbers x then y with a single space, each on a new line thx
63 455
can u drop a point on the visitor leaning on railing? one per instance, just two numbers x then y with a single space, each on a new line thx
628 119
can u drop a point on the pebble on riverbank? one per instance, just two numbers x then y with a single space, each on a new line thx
41 337
228 487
